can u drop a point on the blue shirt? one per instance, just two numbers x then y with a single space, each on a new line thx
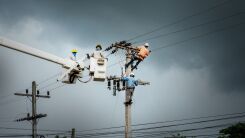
131 82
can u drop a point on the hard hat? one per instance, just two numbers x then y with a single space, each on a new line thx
146 44
131 74
98 46
74 51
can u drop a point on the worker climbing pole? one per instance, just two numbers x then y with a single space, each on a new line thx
128 81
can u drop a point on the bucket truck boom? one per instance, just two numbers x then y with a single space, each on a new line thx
72 69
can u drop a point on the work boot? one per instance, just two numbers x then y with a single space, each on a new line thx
126 66
133 68
130 101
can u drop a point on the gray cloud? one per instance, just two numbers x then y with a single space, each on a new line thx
190 79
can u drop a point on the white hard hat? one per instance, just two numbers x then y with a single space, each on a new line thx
146 44
131 74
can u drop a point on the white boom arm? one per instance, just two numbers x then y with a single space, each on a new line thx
72 69
31 51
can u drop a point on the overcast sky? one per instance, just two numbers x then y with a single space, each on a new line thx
199 77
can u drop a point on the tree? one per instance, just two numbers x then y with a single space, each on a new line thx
234 131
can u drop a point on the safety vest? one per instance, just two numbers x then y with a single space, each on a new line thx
143 52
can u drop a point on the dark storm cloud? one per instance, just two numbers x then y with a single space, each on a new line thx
186 73
221 53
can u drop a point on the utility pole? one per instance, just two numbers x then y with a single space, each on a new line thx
128 133
34 109
34 116
116 82
73 133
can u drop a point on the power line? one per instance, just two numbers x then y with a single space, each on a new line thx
25 129
195 122
187 119
189 39
162 122
192 27
57 87
161 132
48 85
218 119
157 127
180 20
10 102
49 78
191 129
198 36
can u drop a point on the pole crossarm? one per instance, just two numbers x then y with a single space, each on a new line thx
31 117
29 95
140 82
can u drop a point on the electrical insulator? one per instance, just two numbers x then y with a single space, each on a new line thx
114 88
122 42
114 82
118 86
114 91
113 51
124 84
128 44
26 91
28 114
48 93
109 84
37 92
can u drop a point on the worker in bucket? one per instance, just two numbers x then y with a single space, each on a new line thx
74 55
131 83
139 56
97 53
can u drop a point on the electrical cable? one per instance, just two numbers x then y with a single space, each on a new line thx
198 36
162 132
192 27
48 85
57 87
238 114
180 20
49 78
90 78
195 122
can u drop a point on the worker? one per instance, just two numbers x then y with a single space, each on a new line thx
131 83
98 52
97 61
139 55
74 53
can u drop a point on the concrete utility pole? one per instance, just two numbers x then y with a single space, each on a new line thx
34 116
116 81
73 133
128 133
34 109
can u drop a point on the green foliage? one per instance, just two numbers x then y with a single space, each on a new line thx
234 131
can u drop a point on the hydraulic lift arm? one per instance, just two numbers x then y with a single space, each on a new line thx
71 67
32 51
